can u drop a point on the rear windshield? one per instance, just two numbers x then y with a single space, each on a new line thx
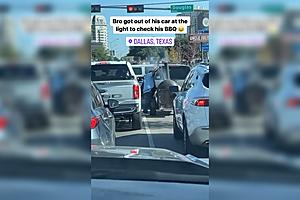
18 73
179 72
137 70
205 80
110 72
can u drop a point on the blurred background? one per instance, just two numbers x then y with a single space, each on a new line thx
44 78
255 95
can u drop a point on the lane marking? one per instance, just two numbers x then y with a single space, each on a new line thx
148 132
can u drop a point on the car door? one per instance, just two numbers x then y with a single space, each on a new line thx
180 98
197 115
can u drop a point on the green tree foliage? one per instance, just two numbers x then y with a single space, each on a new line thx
144 53
100 53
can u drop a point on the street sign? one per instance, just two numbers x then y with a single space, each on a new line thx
95 8
204 47
182 8
198 38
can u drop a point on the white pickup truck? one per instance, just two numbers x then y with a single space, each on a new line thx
119 82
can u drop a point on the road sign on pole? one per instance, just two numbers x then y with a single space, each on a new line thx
198 38
182 8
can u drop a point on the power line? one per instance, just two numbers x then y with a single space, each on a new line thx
163 3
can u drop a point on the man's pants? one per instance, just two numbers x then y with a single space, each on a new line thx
147 99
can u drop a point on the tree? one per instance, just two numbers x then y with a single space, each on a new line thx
7 51
100 53
185 50
145 53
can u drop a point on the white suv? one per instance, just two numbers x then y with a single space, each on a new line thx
119 82
282 108
191 109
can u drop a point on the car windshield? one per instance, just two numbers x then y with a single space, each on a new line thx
107 72
179 72
18 73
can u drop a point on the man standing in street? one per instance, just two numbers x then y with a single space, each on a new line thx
148 88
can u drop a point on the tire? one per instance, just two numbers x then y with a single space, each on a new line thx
176 131
187 146
136 121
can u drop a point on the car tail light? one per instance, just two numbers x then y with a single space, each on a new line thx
45 91
227 91
136 91
293 102
94 122
202 102
3 122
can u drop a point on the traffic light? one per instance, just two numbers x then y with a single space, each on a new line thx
95 8
135 8
43 8
226 8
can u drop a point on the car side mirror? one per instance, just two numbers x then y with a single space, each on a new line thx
112 103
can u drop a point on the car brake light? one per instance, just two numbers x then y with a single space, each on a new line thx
293 102
45 91
94 122
103 62
202 102
3 122
136 91
227 91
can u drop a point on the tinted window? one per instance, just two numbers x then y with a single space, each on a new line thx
137 70
205 80
110 72
187 83
18 73
179 72
297 80
96 98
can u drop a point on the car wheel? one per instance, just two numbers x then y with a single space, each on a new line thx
176 131
187 146
136 121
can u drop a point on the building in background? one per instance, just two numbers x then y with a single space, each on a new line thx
199 22
99 30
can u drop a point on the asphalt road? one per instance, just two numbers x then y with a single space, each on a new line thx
157 132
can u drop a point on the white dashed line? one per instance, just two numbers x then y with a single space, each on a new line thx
147 129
